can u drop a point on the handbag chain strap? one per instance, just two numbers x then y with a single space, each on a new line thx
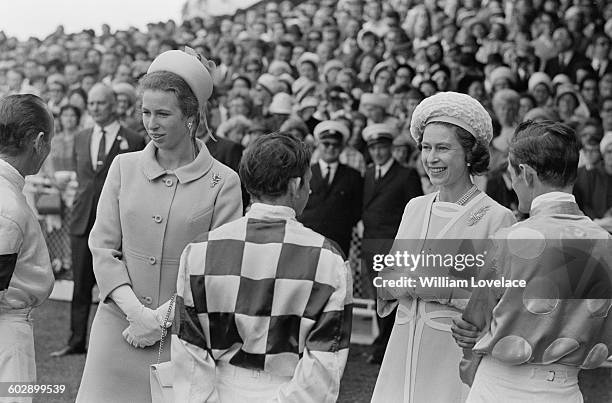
164 329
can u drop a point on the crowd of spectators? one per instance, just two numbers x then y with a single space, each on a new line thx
290 65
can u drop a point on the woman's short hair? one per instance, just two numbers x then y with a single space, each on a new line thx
550 148
170 82
80 92
22 118
243 94
599 132
476 153
270 161
295 124
76 111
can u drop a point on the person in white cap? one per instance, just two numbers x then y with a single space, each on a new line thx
334 205
153 203
421 363
306 109
375 106
388 187
308 67
540 86
262 94
280 109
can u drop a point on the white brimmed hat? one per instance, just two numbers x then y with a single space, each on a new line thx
331 128
457 109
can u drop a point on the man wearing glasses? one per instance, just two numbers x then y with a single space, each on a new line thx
334 206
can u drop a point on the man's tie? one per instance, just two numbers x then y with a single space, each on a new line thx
101 151
327 175
378 173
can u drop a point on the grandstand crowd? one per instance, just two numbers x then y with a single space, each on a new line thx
290 66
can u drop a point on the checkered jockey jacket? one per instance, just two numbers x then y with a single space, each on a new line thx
266 293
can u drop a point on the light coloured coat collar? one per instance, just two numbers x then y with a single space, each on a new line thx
187 173
12 175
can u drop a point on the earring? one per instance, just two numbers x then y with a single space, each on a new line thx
469 164
189 125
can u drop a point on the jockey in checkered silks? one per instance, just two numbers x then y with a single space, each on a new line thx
263 303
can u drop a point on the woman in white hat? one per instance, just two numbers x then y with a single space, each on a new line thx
154 202
421 361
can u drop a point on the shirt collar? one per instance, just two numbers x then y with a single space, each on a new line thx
187 173
386 166
264 211
112 127
323 165
551 197
11 174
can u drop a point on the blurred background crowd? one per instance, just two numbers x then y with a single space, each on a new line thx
290 65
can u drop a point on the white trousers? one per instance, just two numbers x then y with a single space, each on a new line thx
16 350
528 383
235 384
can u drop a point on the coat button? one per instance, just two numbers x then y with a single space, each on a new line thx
157 218
169 182
152 260
147 300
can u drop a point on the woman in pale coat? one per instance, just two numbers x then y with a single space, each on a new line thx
154 203
421 363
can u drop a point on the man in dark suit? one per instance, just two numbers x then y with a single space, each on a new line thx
94 150
568 60
601 49
388 187
334 205
226 152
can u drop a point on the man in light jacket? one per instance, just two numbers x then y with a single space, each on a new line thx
26 277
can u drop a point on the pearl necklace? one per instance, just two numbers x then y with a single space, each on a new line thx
463 199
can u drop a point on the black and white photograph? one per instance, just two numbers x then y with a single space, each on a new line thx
306 201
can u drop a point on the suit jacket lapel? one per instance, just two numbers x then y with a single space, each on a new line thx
380 184
337 175
317 177
112 153
369 179
87 152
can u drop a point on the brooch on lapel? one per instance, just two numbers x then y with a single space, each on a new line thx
123 145
216 178
477 215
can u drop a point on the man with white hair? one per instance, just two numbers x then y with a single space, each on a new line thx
94 150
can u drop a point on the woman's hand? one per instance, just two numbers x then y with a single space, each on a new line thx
465 334
144 329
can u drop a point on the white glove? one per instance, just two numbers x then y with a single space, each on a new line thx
144 329
145 325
